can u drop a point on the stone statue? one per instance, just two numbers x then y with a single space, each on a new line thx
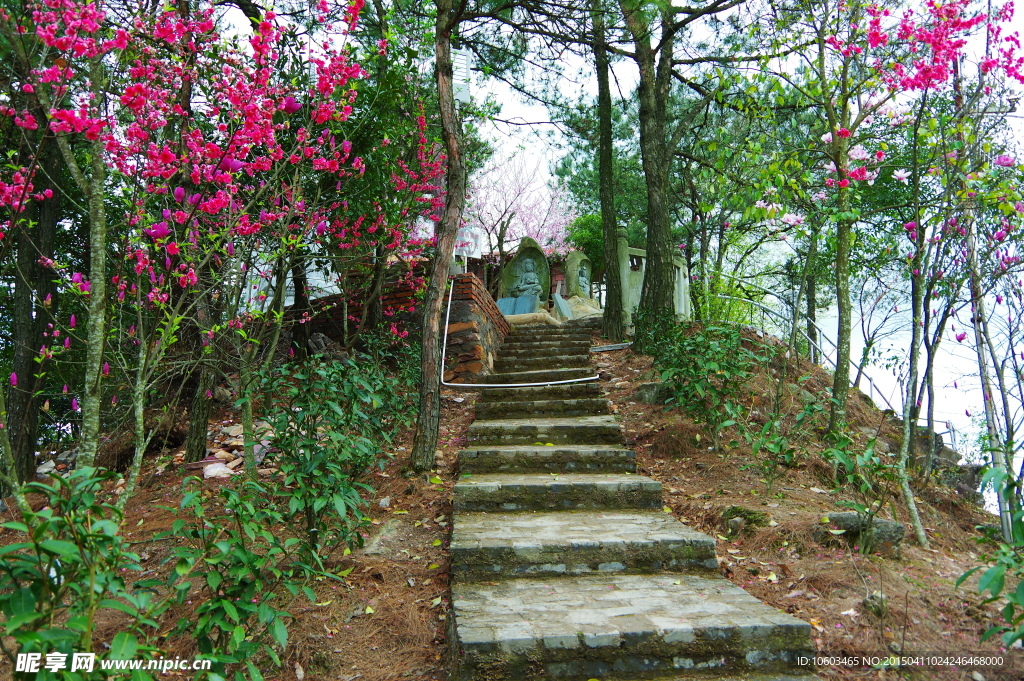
578 271
584 277
528 283
527 274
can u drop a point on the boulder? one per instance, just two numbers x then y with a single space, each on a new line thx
653 393
885 536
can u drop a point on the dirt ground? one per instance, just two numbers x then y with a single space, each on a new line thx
387 620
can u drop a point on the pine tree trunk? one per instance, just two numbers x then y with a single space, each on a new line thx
300 308
29 316
614 326
428 419
199 416
658 293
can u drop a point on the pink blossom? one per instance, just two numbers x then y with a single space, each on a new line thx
843 132
72 322
844 183
74 404
14 379
858 153
901 175
1004 161
179 194
290 105
158 231
106 368
1000 235
960 339
826 138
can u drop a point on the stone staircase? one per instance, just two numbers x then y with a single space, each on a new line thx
564 565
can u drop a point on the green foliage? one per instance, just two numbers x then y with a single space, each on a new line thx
70 570
586 234
869 476
655 332
1004 578
706 371
239 562
330 420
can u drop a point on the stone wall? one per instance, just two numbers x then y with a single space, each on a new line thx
476 330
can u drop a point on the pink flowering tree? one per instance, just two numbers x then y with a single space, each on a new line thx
508 200
209 170
867 67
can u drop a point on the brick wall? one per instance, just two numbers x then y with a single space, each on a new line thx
476 329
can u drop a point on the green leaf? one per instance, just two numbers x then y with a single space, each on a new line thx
434 480
61 548
279 632
123 647
993 580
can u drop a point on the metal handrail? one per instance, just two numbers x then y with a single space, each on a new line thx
872 387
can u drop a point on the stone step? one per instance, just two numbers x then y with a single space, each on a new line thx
555 459
552 350
520 342
535 363
547 333
543 376
569 391
555 544
580 430
622 627
555 492
537 408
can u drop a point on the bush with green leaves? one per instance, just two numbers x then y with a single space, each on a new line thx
1003 576
240 564
870 476
330 421
67 573
706 371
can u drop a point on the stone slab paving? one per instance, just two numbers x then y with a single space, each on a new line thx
602 625
580 429
558 491
568 391
544 459
542 376
522 409
540 363
498 546
598 583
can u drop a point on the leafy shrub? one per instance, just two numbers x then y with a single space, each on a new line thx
241 563
706 371
869 476
655 332
1004 579
68 572
330 421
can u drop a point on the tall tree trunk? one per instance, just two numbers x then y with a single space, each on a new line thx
655 66
910 396
199 415
29 317
614 325
300 308
428 419
96 329
812 318
841 379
